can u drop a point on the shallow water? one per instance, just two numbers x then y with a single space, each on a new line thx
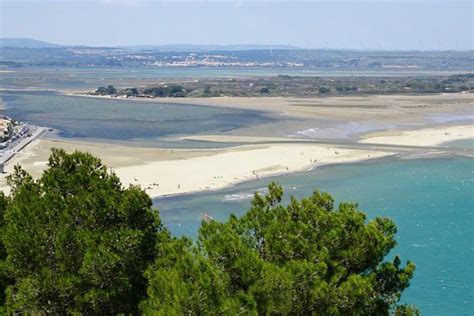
144 123
452 117
431 201
344 130
461 143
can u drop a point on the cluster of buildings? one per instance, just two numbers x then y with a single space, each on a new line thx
11 130
218 61
6 128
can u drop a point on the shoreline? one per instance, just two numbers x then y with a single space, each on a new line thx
164 172
190 175
428 137
320 167
392 157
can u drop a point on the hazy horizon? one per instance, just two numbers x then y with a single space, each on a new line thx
380 25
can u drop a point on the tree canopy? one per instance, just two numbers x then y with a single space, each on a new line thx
306 258
75 241
109 90
3 254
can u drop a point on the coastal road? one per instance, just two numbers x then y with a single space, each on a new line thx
9 152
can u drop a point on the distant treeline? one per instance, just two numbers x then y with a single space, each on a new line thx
299 86
175 91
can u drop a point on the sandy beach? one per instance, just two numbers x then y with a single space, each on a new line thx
163 172
178 171
427 137
234 166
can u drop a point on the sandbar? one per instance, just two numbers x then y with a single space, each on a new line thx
426 137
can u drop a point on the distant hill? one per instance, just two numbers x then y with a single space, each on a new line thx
32 43
25 43
205 48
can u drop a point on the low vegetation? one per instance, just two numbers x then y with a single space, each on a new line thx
75 241
285 85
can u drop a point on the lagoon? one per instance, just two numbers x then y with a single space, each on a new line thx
149 124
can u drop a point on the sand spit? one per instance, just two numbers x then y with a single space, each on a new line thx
169 171
427 137
234 166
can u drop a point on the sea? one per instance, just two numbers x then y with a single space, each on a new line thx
430 200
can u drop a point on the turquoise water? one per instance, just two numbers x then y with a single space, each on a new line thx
143 123
431 201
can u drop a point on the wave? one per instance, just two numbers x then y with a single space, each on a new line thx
343 130
244 195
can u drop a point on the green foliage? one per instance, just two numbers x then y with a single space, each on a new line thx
406 310
304 258
264 90
77 242
302 86
175 91
109 90
183 281
130 92
4 279
323 90
207 90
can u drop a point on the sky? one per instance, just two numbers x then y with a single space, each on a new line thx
368 24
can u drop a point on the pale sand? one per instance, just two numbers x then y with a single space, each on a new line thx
34 157
427 137
166 172
234 166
